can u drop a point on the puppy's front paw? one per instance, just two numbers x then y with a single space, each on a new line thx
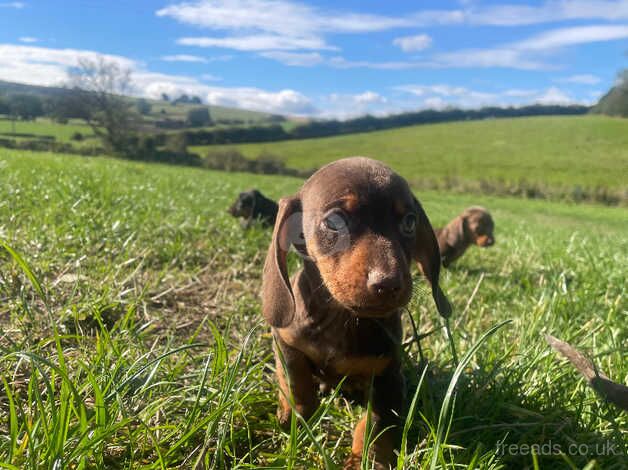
353 462
283 416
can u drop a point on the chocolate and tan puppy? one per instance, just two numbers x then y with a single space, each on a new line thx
253 206
358 228
473 227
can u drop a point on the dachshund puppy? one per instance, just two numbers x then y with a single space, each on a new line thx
358 228
251 206
473 227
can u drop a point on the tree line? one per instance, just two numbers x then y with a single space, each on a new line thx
327 128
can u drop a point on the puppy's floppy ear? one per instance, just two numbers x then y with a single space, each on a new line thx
455 230
278 304
427 254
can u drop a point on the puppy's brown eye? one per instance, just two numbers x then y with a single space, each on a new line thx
335 222
408 224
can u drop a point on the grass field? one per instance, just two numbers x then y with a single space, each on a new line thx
45 127
131 335
556 153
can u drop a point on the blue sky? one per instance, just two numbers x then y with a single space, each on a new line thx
328 58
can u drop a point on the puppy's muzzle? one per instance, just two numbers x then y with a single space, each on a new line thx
383 284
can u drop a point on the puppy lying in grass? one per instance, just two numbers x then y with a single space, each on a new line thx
253 206
473 227
358 228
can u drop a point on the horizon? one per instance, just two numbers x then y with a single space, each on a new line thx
313 60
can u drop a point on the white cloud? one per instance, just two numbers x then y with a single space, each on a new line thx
345 106
518 93
46 66
16 5
547 12
28 39
439 96
369 97
208 77
554 95
184 58
563 37
278 17
436 102
461 95
531 53
260 42
288 25
342 63
413 43
489 58
584 79
284 101
299 59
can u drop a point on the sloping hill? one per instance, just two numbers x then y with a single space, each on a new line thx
561 155
170 110
614 103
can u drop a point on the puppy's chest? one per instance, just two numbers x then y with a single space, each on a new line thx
344 345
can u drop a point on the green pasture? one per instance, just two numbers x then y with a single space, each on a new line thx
131 335
550 152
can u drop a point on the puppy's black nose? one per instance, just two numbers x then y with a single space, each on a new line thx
379 283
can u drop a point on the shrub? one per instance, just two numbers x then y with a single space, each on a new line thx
198 117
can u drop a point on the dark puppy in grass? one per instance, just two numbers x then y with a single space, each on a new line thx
473 227
358 228
253 206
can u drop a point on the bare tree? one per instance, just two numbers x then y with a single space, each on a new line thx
97 89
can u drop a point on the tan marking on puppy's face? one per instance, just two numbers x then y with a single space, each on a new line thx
359 228
480 225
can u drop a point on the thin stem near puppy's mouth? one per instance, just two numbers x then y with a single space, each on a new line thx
372 312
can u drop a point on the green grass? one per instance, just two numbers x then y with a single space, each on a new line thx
131 335
549 152
45 127
219 113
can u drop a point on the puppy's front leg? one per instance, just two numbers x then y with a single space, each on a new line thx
387 404
295 381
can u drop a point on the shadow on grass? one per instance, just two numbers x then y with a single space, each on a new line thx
493 415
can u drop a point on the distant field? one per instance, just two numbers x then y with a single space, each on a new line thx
219 113
145 347
565 151
45 127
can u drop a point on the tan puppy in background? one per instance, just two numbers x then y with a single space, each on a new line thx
473 227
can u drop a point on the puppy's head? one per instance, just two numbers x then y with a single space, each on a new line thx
359 224
244 204
480 226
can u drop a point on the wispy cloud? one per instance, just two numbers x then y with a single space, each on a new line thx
532 53
583 79
258 42
500 57
184 58
440 96
413 43
15 5
286 25
563 37
28 39
299 59
548 12
208 77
